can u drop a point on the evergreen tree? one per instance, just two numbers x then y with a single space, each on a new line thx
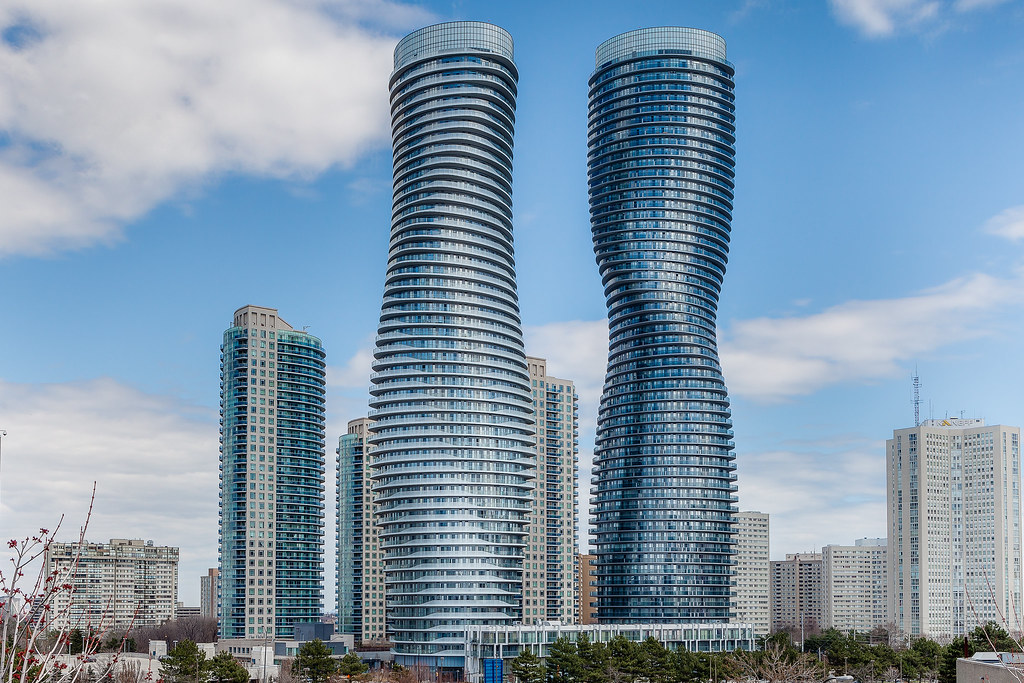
185 663
76 641
564 664
527 668
225 669
350 665
314 663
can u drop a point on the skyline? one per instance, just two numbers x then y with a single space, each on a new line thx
886 226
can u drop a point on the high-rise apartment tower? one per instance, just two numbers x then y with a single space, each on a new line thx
272 476
750 600
453 437
660 160
798 595
954 527
360 572
209 590
856 585
549 575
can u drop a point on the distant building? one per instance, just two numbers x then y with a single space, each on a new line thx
856 584
752 577
797 594
954 527
273 391
209 592
182 611
120 584
586 601
360 571
549 573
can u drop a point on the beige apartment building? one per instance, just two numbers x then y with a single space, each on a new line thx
586 599
121 584
549 563
856 585
797 595
752 575
360 572
954 527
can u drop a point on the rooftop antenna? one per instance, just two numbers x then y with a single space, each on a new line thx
917 398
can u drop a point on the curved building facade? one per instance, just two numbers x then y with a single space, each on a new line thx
660 161
453 435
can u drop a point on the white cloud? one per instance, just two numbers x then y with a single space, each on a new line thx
843 483
575 350
1008 224
969 5
107 109
770 359
153 458
883 18
354 375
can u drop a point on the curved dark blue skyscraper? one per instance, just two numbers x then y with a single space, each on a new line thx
661 149
454 454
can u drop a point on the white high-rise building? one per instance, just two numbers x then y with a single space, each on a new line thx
121 584
856 585
752 578
954 527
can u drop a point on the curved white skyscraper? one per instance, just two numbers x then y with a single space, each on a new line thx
453 430
661 148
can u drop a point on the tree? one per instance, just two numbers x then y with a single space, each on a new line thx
185 663
314 663
527 668
778 664
224 668
33 626
564 664
350 665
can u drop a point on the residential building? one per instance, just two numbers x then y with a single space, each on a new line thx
954 527
360 571
549 575
209 593
454 444
660 162
116 585
587 591
752 578
271 476
856 585
183 611
797 595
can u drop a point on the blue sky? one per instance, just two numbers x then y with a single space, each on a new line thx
164 163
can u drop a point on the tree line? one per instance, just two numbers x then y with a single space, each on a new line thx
777 660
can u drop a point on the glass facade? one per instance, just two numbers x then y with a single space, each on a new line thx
453 433
660 160
272 476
